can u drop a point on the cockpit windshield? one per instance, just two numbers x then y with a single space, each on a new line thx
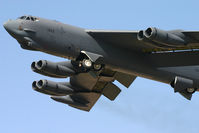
31 18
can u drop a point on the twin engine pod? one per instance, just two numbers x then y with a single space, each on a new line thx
167 38
71 100
52 88
57 70
60 92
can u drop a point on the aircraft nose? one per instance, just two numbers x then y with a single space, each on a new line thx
11 27
5 25
8 26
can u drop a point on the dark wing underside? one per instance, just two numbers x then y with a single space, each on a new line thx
95 84
128 39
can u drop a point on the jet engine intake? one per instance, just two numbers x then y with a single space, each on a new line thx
169 38
58 70
52 88
34 87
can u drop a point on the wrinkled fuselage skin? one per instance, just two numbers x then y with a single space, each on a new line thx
67 41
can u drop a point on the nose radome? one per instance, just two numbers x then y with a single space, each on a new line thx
11 26
8 26
5 25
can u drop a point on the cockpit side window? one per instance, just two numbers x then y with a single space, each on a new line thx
29 18
22 17
32 18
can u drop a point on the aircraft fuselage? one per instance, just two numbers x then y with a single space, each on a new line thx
67 41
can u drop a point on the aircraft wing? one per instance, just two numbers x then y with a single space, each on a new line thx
126 39
129 40
91 85
166 48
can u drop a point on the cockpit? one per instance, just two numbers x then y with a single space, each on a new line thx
31 18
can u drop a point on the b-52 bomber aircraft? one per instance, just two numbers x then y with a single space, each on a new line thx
99 57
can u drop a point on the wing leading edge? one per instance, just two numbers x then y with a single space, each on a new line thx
165 49
132 40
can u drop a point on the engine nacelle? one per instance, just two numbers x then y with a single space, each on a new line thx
70 100
52 88
180 84
169 38
34 87
33 67
58 70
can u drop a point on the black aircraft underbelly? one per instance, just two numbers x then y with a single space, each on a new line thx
99 57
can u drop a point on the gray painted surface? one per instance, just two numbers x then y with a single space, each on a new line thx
154 54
